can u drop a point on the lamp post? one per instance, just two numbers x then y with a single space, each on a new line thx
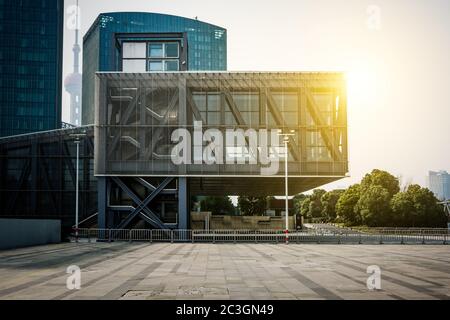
77 183
286 137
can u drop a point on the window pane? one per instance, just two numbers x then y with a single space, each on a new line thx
291 118
155 50
246 101
171 50
171 65
134 50
213 118
213 102
286 101
200 100
251 118
133 66
229 119
325 104
155 66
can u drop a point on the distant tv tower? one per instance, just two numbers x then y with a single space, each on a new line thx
72 83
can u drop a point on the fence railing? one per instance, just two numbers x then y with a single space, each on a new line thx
409 231
331 228
255 236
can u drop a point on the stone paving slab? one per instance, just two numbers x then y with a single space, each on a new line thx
165 271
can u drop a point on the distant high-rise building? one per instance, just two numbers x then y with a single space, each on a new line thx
439 183
72 83
31 42
141 42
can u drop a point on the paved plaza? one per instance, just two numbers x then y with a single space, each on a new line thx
225 271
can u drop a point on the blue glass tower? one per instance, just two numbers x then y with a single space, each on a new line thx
141 42
31 42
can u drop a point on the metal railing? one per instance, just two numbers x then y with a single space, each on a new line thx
256 236
409 231
335 229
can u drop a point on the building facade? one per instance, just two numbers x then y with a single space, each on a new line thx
161 138
170 124
148 42
31 42
38 176
439 183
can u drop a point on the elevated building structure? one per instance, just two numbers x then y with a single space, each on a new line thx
167 122
141 119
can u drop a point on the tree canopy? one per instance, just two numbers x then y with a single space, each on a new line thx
252 206
217 205
378 202
329 201
345 207
383 179
417 207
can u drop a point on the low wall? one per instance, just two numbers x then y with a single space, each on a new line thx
16 233
200 221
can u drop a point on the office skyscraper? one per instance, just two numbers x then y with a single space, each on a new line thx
439 183
31 42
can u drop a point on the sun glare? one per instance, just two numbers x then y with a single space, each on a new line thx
362 86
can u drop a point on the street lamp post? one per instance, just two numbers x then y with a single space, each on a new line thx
286 137
77 183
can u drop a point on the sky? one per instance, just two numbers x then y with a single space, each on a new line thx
395 52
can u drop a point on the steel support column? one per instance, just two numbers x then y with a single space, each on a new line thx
183 204
102 202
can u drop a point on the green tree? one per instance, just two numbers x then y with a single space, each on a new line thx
383 179
374 206
304 209
418 207
252 206
298 201
218 205
345 207
329 201
315 206
404 213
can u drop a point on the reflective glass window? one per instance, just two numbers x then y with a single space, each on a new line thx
324 102
156 50
171 65
171 50
155 66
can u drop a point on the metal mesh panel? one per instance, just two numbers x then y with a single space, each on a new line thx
137 116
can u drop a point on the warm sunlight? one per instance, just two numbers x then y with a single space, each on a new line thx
362 83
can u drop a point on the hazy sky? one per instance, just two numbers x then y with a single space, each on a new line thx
397 54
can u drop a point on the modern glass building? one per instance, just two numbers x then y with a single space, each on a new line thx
212 133
147 42
31 42
167 123
38 176
439 183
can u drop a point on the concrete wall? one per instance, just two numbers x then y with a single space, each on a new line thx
200 220
16 233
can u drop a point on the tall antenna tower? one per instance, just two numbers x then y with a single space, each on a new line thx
72 83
